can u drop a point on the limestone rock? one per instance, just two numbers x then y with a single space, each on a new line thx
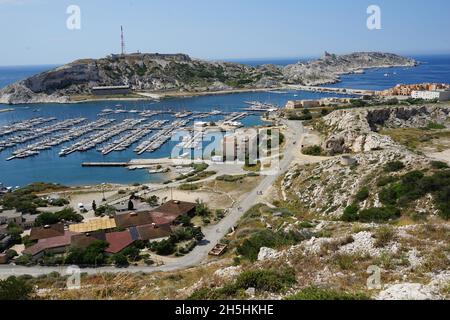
268 254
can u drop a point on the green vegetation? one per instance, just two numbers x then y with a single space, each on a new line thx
93 255
439 165
25 200
250 248
394 166
358 103
350 213
435 126
229 178
383 214
105 210
414 185
262 280
168 246
362 194
314 293
67 215
383 236
189 187
120 260
306 115
15 289
313 151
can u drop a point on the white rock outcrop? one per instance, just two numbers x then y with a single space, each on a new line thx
268 254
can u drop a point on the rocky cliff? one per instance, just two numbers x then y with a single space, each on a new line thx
329 68
179 72
356 130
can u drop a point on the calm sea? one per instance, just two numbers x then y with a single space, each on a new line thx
49 167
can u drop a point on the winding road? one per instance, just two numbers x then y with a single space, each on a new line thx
213 234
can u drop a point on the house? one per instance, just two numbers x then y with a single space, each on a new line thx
118 241
152 232
173 209
55 245
84 240
11 216
133 219
110 90
440 95
48 231
297 104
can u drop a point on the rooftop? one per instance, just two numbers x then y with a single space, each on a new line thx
86 239
45 232
94 225
133 219
50 243
176 208
151 232
118 241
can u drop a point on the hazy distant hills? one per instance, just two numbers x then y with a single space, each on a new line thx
179 72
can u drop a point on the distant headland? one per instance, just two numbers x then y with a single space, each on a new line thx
150 76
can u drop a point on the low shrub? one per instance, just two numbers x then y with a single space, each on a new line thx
350 213
382 214
250 248
394 166
314 293
383 236
362 194
313 151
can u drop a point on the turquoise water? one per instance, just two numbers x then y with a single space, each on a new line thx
49 167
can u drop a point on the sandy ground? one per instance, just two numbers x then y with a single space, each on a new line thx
214 200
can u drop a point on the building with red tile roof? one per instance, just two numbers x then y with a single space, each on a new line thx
133 219
153 232
118 241
48 231
57 244
176 208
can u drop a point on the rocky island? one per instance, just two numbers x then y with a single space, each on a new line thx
178 73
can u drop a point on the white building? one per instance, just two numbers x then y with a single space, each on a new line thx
440 95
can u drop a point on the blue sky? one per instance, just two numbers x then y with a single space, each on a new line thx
35 32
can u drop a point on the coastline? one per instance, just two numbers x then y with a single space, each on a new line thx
156 95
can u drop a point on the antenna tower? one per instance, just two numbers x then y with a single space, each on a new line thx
122 40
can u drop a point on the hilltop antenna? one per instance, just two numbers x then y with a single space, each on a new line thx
122 38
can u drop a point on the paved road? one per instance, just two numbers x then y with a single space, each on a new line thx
213 234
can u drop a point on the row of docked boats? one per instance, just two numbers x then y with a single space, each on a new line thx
58 139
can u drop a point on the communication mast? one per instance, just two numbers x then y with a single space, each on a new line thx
122 40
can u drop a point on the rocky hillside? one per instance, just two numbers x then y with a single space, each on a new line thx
331 67
178 72
331 186
356 130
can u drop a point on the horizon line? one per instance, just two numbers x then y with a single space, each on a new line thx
233 59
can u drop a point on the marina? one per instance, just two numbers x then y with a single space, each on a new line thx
43 163
156 141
